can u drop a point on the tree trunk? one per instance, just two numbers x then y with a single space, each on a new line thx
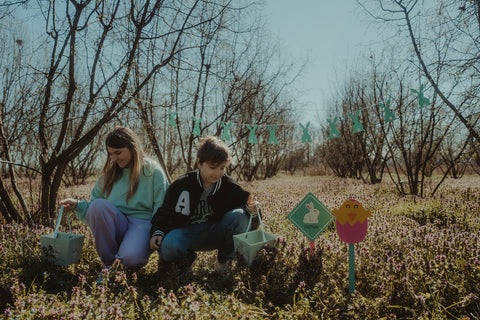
8 210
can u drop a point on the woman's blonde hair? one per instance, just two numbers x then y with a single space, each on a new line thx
119 138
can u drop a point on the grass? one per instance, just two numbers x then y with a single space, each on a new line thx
419 260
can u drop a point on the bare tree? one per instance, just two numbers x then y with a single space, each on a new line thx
98 63
399 134
454 157
15 123
224 75
92 49
86 164
9 6
360 152
188 80
414 139
452 30
475 160
412 143
261 115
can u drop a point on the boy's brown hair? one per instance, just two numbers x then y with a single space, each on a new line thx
213 150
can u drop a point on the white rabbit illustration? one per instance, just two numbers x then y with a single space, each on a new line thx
312 215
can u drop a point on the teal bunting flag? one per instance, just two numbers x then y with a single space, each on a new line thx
388 115
252 138
334 133
272 139
306 136
196 129
225 135
172 118
357 126
422 101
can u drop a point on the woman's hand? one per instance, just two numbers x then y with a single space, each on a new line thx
69 204
155 242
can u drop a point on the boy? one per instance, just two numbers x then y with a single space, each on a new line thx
202 210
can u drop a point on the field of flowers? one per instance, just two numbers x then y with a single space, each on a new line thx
419 260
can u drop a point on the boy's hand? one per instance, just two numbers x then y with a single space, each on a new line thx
155 242
252 206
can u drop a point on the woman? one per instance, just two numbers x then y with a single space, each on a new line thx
128 191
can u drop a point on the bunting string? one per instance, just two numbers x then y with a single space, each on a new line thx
357 127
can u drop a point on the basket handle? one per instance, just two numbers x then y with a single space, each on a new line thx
59 219
259 220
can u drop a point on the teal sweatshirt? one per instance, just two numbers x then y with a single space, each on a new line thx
145 202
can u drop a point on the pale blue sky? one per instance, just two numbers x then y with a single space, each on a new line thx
332 34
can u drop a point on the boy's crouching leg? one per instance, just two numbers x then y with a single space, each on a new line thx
174 255
234 222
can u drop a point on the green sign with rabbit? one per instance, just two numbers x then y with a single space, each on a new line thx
311 216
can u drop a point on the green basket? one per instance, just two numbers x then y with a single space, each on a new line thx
249 243
62 248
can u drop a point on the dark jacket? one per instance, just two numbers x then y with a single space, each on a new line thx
175 213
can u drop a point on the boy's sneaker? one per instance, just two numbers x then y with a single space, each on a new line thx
164 268
221 267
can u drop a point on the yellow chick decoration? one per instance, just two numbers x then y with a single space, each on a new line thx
351 211
351 221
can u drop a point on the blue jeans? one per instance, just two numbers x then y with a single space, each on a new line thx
179 245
